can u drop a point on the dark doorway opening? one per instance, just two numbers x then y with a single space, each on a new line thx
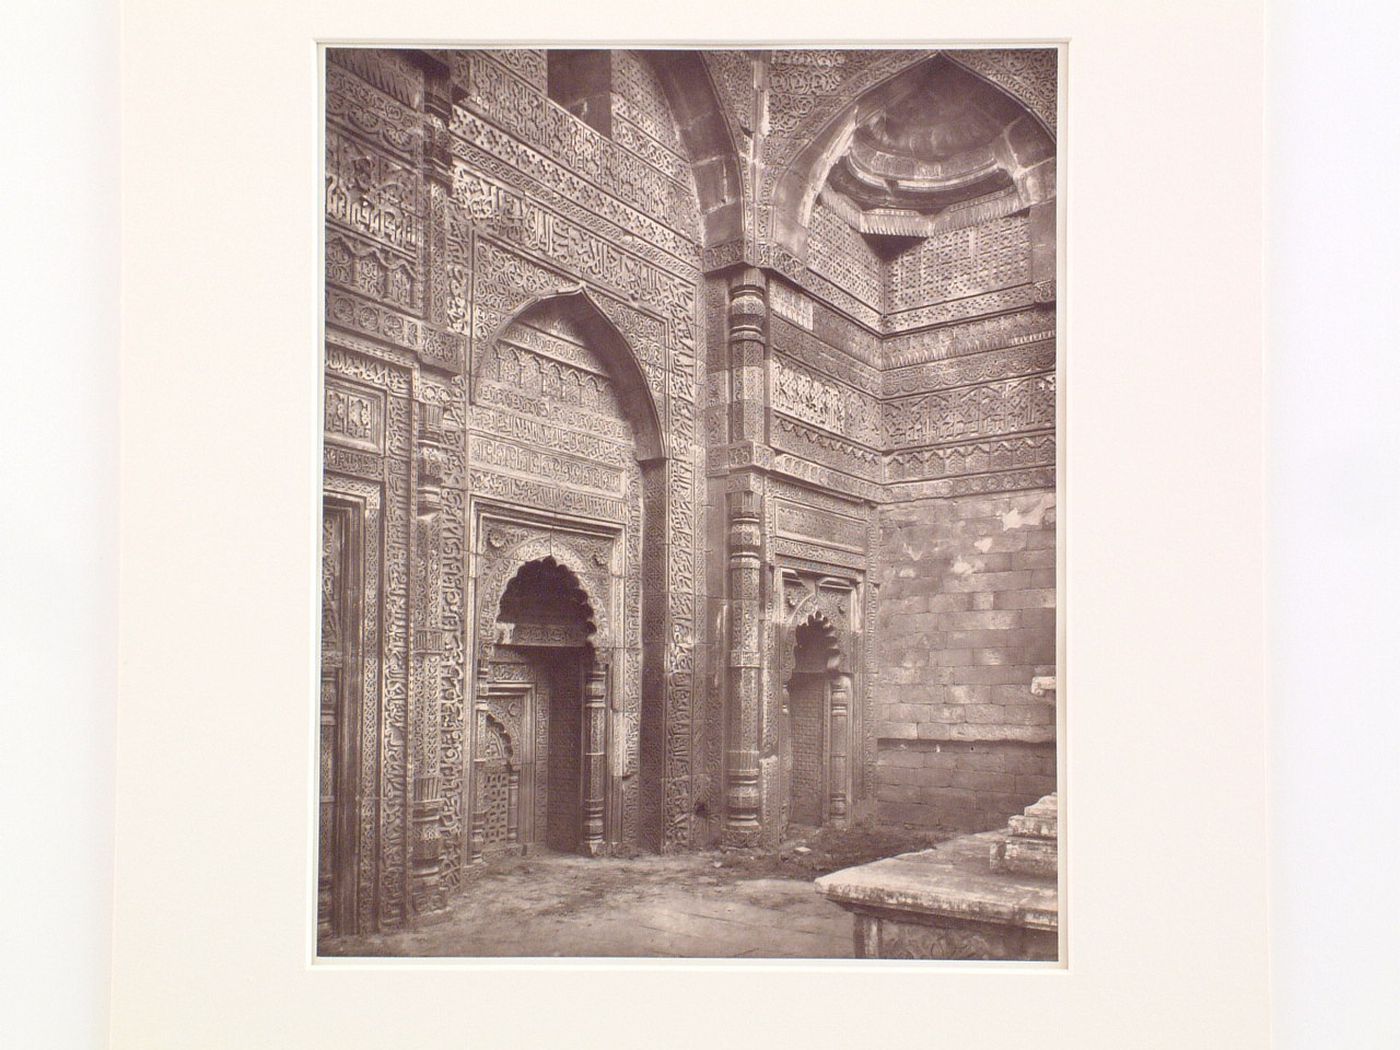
816 656
544 627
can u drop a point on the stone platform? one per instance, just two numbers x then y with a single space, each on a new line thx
948 903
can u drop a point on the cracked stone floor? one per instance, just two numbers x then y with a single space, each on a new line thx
715 904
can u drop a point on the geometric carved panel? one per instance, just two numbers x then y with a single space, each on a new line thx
354 415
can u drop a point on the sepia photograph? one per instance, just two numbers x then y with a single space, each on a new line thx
777 524
780 524
688 541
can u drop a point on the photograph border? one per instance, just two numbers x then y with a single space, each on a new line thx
232 331
312 569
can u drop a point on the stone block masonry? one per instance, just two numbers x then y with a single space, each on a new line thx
967 621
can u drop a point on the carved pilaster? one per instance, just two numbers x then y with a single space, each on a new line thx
747 321
840 747
476 832
745 665
595 709
513 807
425 654
443 257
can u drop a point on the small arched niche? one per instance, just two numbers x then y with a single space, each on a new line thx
812 729
535 715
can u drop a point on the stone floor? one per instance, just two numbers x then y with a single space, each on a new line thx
740 903
699 905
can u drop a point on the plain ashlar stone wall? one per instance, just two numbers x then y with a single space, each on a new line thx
966 621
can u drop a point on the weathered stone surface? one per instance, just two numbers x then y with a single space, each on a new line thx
1030 845
946 903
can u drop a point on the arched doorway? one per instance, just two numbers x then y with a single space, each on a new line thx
541 734
817 716
568 460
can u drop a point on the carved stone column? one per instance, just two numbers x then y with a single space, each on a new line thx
748 366
595 711
476 832
744 506
440 352
742 794
425 806
840 746
513 806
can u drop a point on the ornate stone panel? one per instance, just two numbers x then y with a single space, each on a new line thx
1004 407
808 395
977 458
976 305
831 360
354 415
1030 75
957 263
370 499
1035 355
443 415
842 256
974 484
359 266
372 193
820 527
498 175
666 193
821 446
388 768
390 72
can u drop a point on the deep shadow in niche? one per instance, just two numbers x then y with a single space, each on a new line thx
816 670
533 793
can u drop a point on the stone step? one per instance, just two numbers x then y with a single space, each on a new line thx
1031 843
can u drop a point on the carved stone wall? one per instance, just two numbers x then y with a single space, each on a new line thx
730 393
458 200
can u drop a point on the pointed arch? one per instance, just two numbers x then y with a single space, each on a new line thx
576 304
1024 151
496 744
710 146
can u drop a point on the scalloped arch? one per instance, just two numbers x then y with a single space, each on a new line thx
537 548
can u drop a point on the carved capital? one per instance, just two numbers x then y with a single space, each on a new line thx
744 505
748 308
